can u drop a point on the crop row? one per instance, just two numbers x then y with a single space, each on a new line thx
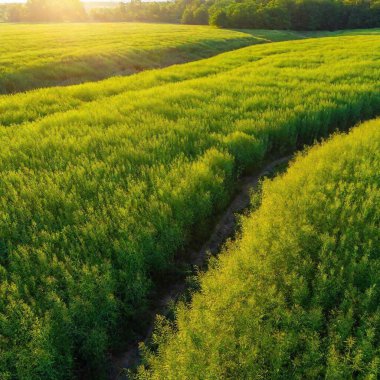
96 201
297 295
40 55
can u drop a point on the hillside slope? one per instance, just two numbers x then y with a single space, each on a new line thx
40 55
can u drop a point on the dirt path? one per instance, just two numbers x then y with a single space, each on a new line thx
223 230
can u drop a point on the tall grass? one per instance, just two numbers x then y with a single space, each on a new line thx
97 197
297 295
34 105
40 55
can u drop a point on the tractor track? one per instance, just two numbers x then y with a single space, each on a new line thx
224 229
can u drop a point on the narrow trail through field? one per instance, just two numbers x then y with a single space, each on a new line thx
224 229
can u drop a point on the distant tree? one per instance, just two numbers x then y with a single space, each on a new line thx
187 16
305 15
275 16
201 15
15 13
240 15
375 13
55 10
218 17
331 15
123 11
268 14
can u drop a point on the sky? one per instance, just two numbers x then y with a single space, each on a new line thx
92 1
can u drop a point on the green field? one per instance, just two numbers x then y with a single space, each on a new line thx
297 295
103 184
21 108
40 55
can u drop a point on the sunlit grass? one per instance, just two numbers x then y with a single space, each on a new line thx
39 55
297 295
103 184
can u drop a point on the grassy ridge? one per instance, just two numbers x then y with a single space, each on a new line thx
297 296
20 108
43 55
96 201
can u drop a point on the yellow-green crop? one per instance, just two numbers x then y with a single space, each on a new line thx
39 55
297 295
97 194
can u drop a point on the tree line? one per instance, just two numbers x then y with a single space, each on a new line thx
268 14
45 11
272 14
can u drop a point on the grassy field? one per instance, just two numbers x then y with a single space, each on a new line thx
34 105
339 33
99 194
40 55
300 296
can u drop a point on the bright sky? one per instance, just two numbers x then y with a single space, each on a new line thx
92 1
